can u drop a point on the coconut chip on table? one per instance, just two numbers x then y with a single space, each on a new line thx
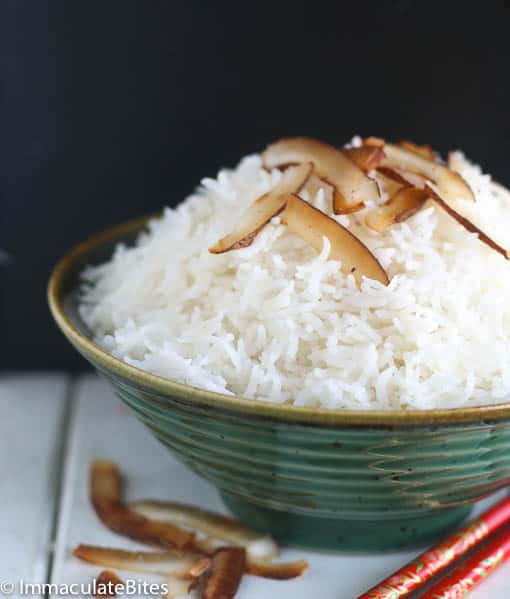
199 551
106 584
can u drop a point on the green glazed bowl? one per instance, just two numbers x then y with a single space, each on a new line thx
343 480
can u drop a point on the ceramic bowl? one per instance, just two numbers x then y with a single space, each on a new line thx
346 480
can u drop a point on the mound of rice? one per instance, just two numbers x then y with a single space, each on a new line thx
278 322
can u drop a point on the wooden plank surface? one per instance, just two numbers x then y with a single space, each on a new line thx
32 425
102 427
34 431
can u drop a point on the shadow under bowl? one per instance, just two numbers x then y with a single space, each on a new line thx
342 480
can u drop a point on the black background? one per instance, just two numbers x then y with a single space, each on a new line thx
116 108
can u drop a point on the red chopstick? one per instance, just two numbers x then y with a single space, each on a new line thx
421 570
463 579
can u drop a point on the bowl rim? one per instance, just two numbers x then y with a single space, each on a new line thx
211 399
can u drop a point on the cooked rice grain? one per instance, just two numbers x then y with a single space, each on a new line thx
280 323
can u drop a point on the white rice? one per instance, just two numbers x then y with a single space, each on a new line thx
280 323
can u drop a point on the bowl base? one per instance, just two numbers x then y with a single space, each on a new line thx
312 532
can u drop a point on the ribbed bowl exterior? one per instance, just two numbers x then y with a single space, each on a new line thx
349 473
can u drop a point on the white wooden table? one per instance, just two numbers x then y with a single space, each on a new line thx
53 426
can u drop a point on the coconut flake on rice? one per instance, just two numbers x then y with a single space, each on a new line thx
278 321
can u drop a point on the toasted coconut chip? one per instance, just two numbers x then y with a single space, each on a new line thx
450 184
177 563
260 548
366 157
388 185
402 178
264 209
456 161
314 184
106 482
222 580
312 226
393 174
425 151
106 497
257 545
208 545
341 207
351 184
435 194
106 584
374 141
176 587
406 202
282 571
203 564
